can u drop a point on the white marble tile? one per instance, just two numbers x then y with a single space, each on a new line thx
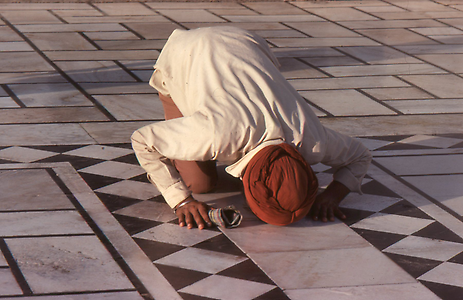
190 15
347 83
133 107
368 202
373 144
341 14
380 55
100 151
60 41
322 29
423 165
279 33
15 46
111 36
31 77
431 141
144 75
174 234
3 262
227 288
302 235
8 35
78 13
122 9
131 44
132 189
116 19
20 191
346 103
332 61
105 133
71 27
409 291
375 70
30 17
448 39
323 42
398 93
95 71
431 49
201 260
446 273
111 88
67 264
102 55
450 62
149 210
42 223
392 223
274 8
439 106
21 154
330 268
444 86
353 3
8 284
23 61
51 115
43 134
7 102
273 18
425 248
391 24
324 179
55 94
320 167
148 31
114 169
437 31
447 189
293 68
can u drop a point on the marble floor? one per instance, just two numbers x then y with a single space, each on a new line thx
80 221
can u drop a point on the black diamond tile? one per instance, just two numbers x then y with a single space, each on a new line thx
135 225
142 178
458 259
459 145
58 148
180 278
76 161
156 250
354 215
97 181
375 188
389 138
380 240
247 270
403 146
121 145
438 231
4 161
113 202
129 158
444 291
275 294
452 135
415 266
405 208
221 244
193 297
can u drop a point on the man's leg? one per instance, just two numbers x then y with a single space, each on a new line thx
199 176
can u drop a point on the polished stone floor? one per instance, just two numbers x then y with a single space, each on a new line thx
80 221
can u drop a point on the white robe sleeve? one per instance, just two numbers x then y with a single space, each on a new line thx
188 138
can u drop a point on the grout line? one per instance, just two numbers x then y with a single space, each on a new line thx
13 95
19 276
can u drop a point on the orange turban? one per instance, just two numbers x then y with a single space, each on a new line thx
279 185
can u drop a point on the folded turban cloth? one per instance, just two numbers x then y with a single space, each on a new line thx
279 185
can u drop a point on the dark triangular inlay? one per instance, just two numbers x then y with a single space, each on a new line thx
275 294
405 208
135 225
380 240
247 270
57 148
389 138
375 188
179 277
459 145
129 159
156 250
438 231
220 244
415 266
458 259
186 296
403 146
97 181
76 161
113 202
354 215
444 291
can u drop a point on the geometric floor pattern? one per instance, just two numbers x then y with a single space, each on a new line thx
79 220
207 264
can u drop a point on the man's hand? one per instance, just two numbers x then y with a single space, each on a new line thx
326 205
193 213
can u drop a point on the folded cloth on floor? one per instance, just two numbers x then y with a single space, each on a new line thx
227 217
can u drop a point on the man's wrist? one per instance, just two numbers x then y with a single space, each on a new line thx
183 203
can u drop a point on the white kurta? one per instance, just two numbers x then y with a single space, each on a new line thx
234 101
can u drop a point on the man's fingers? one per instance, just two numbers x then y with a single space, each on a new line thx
330 214
315 212
323 213
205 216
198 219
181 220
339 214
189 219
